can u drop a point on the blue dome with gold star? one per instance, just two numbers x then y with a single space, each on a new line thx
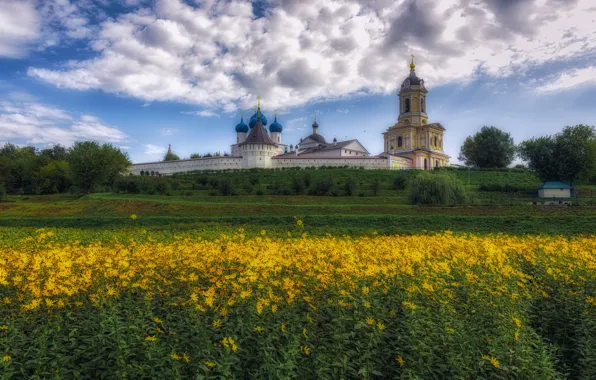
275 126
253 119
241 127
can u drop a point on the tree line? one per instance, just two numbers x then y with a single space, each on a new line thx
82 168
567 156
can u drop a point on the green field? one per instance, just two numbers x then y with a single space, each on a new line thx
191 205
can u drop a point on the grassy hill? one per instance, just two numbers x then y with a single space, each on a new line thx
189 202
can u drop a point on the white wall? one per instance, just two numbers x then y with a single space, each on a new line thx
304 162
554 193
180 166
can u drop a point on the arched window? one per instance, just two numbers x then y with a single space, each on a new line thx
435 140
399 142
407 105
425 164
436 163
422 105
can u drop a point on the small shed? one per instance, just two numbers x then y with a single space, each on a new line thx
554 190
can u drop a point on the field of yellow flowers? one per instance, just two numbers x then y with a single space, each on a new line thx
411 307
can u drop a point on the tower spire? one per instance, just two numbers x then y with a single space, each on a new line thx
412 65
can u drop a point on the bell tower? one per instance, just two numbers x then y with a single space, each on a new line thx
412 99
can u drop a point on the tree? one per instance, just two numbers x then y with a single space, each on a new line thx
195 155
566 156
54 177
350 186
489 148
375 186
437 189
93 165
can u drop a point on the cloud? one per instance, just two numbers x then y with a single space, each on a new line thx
569 80
203 113
343 110
19 27
220 56
36 123
167 131
154 149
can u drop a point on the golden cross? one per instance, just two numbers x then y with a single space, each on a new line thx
259 100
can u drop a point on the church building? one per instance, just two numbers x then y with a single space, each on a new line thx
413 137
411 143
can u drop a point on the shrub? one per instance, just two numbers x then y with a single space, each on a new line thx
400 182
350 186
437 189
322 187
375 186
226 187
298 184
2 192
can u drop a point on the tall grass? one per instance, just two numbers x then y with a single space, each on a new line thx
437 189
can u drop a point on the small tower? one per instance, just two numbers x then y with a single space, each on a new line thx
412 99
315 126
241 130
258 148
275 129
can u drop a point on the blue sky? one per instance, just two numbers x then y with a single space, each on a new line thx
145 74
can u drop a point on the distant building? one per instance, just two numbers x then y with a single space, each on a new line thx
412 143
554 190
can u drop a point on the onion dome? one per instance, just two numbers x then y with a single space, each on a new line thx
241 127
412 79
257 115
275 126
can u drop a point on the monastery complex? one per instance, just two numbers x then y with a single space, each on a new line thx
412 143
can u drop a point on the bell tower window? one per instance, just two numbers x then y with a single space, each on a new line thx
407 105
422 105
399 142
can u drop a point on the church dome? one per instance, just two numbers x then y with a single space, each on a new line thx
275 126
241 127
253 119
413 80
318 138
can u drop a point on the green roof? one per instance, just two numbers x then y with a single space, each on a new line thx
554 185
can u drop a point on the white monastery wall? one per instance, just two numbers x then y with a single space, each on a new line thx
305 162
180 166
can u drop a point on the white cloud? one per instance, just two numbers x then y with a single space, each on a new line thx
203 113
220 57
124 147
569 80
19 27
167 131
154 149
36 123
343 110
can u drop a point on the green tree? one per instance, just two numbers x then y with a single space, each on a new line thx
375 186
195 155
566 156
437 189
55 177
93 165
489 148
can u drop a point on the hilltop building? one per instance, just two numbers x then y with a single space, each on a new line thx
411 143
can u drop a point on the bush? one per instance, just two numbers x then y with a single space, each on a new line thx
437 189
2 192
226 187
322 187
504 188
298 184
350 186
375 186
400 182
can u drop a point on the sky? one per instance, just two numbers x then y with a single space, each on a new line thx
142 74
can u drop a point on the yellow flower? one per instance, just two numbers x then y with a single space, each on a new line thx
216 323
186 357
258 329
517 322
305 349
283 327
299 222
209 364
6 358
263 232
409 305
370 321
304 333
133 217
175 356
381 326
3 328
157 320
495 363
150 338
400 360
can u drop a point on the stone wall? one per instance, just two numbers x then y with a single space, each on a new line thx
180 166
305 162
